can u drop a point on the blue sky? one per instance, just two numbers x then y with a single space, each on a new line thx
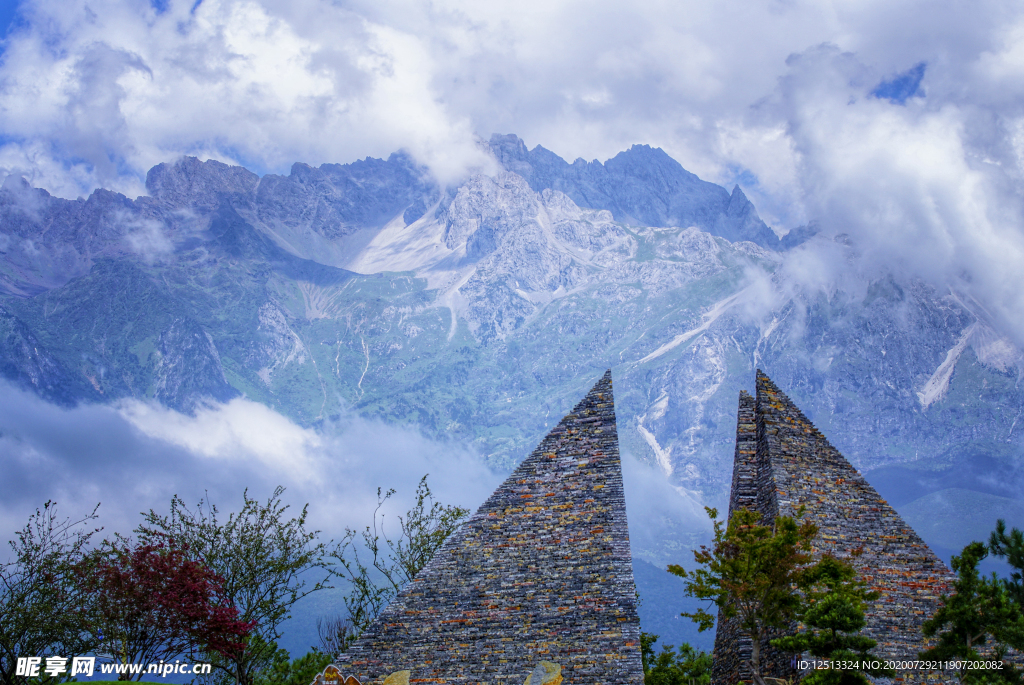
7 10
902 86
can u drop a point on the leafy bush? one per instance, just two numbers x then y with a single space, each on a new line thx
43 607
396 561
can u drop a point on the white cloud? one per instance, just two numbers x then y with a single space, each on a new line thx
119 86
147 238
775 95
661 517
113 87
135 456
241 431
926 189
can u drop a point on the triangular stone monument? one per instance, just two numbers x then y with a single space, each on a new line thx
782 462
541 572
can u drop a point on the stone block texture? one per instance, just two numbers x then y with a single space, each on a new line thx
542 571
782 462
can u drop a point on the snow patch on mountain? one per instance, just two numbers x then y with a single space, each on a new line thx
709 318
400 247
660 406
938 384
663 456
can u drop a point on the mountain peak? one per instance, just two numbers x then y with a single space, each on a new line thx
191 181
641 186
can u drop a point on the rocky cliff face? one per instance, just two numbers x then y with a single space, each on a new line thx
480 311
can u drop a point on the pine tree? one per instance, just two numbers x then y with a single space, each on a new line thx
1011 546
973 620
833 613
682 666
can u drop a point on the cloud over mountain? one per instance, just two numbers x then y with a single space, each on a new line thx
794 101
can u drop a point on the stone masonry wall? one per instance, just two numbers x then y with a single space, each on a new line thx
851 515
744 468
732 646
542 571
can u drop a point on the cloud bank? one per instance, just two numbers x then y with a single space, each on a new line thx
134 456
96 92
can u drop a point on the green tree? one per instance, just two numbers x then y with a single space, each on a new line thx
752 573
833 613
333 633
980 610
683 666
1011 547
264 559
393 561
44 610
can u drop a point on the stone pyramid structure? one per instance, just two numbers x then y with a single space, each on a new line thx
541 572
783 462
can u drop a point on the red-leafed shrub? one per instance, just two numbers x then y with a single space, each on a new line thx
153 602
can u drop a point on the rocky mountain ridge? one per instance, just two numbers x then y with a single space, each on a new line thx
476 312
642 186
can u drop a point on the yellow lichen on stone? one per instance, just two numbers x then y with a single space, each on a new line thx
546 673
398 678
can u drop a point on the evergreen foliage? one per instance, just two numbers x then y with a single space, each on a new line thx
1011 547
833 614
287 671
682 666
974 623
